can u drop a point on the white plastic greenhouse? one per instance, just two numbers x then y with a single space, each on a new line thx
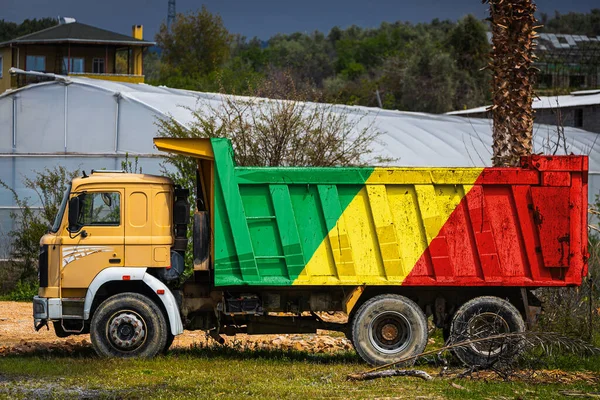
91 124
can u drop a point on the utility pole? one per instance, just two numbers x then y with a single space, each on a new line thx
171 14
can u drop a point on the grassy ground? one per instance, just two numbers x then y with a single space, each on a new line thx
232 373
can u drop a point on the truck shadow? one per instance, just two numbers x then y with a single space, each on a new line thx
199 350
250 352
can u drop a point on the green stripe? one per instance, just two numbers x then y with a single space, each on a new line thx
231 202
270 221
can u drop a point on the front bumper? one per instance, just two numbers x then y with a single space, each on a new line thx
40 308
45 310
40 312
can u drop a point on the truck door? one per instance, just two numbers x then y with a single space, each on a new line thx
100 242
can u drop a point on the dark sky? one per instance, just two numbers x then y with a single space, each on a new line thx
263 18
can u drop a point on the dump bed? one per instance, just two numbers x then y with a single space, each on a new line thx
523 226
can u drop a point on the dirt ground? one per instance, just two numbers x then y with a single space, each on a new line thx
17 335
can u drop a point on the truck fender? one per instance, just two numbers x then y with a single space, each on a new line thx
135 274
168 301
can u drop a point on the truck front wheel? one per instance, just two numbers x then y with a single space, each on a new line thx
128 325
388 328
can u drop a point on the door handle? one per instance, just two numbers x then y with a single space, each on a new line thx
114 260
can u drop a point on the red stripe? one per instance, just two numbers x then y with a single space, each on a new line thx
515 227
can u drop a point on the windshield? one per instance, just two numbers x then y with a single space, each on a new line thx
61 210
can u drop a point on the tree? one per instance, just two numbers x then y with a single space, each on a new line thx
470 49
469 44
573 23
308 56
353 65
513 23
429 82
359 50
12 30
151 66
251 52
197 44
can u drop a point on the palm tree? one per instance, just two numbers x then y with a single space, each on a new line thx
513 32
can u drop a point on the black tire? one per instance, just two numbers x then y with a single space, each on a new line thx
481 317
388 328
128 325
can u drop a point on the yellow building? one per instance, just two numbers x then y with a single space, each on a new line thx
74 49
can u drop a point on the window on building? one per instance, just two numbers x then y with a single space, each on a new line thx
75 65
576 81
35 63
100 209
98 66
578 118
1 66
545 80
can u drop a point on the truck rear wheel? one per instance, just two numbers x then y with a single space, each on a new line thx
482 317
388 328
128 325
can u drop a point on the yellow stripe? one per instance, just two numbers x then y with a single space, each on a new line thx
388 225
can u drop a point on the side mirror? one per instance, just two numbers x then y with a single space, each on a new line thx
73 214
106 199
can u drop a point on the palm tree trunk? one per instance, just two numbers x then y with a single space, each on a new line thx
513 31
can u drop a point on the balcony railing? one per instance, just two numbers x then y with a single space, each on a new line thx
110 77
20 80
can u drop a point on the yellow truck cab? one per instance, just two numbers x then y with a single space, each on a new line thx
111 228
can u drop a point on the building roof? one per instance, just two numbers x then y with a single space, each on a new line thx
550 41
76 32
575 99
567 51
559 41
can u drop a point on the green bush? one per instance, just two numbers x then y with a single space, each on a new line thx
23 291
32 222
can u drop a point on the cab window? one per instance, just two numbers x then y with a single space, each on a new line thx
100 209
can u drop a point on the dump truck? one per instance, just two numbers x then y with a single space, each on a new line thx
273 250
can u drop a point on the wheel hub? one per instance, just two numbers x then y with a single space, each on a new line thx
127 331
390 332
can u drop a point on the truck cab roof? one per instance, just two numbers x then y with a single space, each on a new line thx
121 177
